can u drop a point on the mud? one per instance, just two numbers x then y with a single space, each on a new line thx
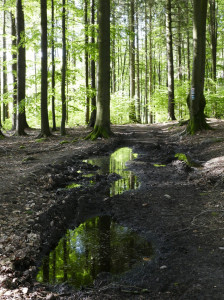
178 207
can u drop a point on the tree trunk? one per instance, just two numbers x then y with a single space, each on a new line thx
196 99
86 61
21 71
14 69
132 113
102 125
93 69
146 104
179 47
138 71
169 44
150 66
213 34
188 45
5 86
45 130
63 71
54 127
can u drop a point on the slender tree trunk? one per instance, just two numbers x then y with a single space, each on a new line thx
93 69
213 34
188 44
146 104
14 69
63 71
45 130
104 243
102 125
5 86
179 47
21 123
150 66
132 113
54 127
196 98
138 71
169 44
87 62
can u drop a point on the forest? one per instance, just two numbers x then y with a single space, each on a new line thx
51 61
111 149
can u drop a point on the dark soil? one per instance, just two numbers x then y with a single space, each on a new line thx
179 207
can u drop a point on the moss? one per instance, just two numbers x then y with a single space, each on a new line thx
41 140
99 131
197 125
64 142
181 157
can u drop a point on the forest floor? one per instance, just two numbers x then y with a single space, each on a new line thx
178 207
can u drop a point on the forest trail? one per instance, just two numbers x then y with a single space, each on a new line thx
178 207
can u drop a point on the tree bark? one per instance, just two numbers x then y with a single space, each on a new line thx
54 127
14 69
102 125
138 115
169 44
63 71
5 86
86 61
132 113
146 104
150 66
213 34
45 130
21 123
196 98
93 69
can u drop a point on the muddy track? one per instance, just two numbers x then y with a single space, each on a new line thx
178 208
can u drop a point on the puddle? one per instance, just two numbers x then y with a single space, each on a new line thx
97 245
115 163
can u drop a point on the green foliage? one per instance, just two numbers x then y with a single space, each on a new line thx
119 108
7 125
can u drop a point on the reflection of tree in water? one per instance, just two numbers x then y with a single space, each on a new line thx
115 163
98 245
104 244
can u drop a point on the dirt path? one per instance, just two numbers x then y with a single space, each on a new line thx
179 208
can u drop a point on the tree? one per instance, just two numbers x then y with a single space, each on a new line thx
196 98
63 71
14 69
93 68
5 85
132 113
21 123
169 45
45 130
102 125
213 33
86 59
54 128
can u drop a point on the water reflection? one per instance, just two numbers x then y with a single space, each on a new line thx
115 163
98 245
